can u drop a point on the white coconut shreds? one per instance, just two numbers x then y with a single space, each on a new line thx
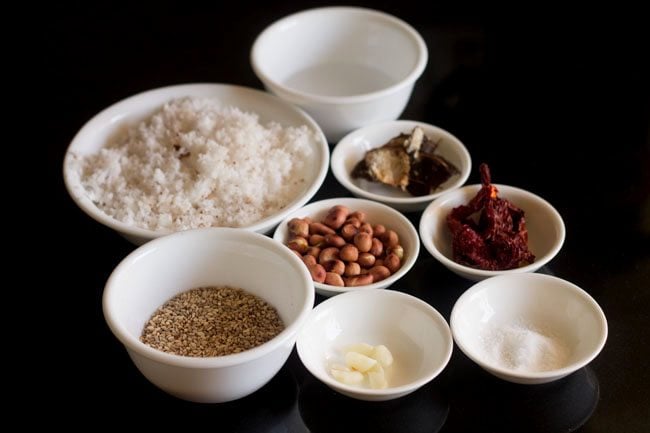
196 164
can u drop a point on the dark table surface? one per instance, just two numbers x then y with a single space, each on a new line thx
556 102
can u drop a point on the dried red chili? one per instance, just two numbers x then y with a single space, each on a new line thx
499 240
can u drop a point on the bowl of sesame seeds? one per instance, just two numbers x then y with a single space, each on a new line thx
209 315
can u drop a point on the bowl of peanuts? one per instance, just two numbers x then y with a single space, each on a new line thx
350 244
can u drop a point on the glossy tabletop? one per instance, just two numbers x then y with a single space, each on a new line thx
555 103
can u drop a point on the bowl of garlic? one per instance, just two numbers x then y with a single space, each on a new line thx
375 345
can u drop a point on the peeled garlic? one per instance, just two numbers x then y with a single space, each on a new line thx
364 358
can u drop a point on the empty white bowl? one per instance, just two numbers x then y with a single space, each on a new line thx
492 322
95 133
545 227
165 267
353 147
348 67
415 333
377 213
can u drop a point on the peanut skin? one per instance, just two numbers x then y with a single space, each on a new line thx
390 239
348 231
349 253
317 240
366 260
360 280
352 269
308 260
334 279
379 273
363 241
377 247
328 254
320 229
379 230
317 273
336 217
361 216
366 228
298 227
334 240
392 262
298 244
335 266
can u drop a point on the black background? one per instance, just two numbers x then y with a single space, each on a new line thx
556 101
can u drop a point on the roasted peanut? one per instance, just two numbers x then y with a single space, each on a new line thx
334 241
379 230
308 260
379 273
366 228
333 279
366 260
360 280
336 266
349 253
390 239
298 227
354 221
328 254
361 216
336 217
317 240
317 273
392 262
377 247
298 244
348 231
363 241
320 229
313 251
397 250
352 269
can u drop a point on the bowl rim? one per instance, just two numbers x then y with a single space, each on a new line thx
110 115
349 202
406 81
346 143
556 281
440 323
132 343
457 267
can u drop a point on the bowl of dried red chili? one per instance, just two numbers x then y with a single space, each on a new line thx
480 231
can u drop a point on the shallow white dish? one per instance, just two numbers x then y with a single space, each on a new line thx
353 147
346 66
415 333
377 214
545 227
165 267
562 310
94 134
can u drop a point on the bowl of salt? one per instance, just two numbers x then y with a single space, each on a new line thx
528 328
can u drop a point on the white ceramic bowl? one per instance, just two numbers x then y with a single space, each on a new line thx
348 67
377 213
353 147
94 134
159 270
415 333
544 224
488 319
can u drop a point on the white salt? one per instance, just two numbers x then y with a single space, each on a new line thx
524 348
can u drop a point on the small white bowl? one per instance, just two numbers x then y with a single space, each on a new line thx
377 213
353 147
159 270
94 134
564 312
415 333
545 227
348 67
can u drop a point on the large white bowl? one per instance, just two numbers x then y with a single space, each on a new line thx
353 147
348 67
562 309
415 333
159 270
377 213
94 134
545 227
